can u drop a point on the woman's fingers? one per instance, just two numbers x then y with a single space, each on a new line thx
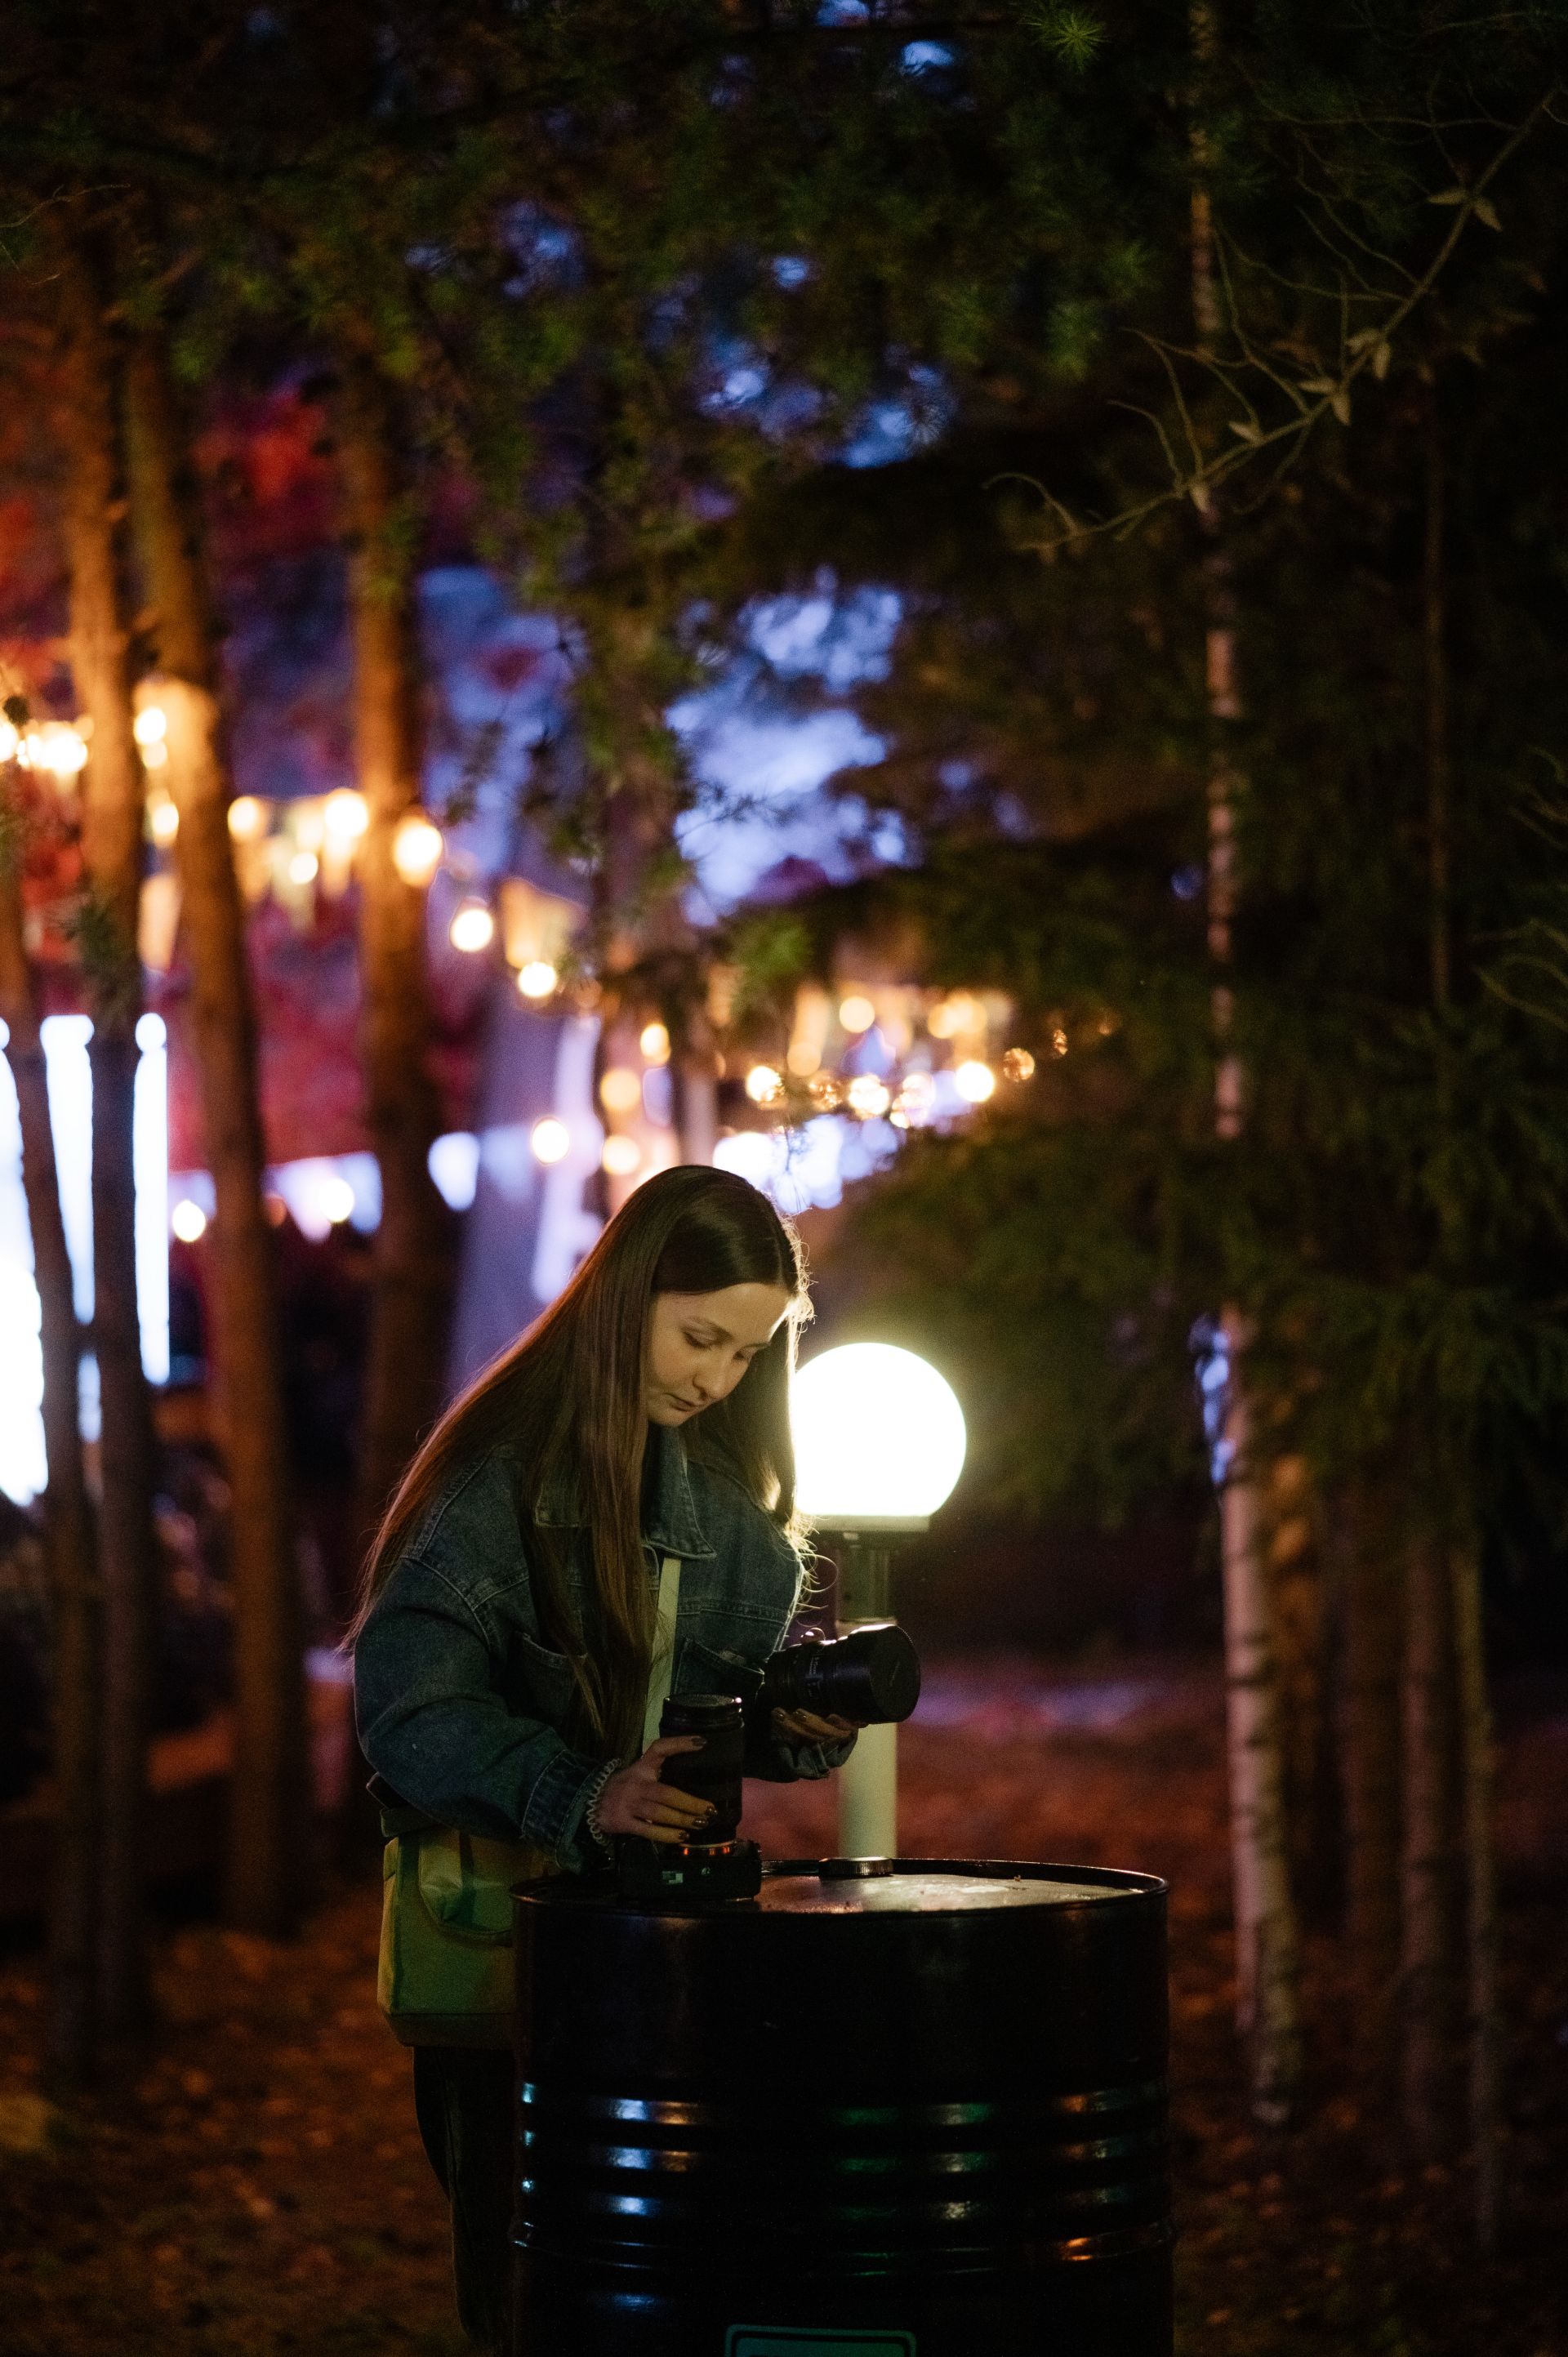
808 1726
668 1746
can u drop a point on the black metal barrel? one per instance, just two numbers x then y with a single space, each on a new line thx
888 2109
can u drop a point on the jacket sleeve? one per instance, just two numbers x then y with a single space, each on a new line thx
776 1761
432 1723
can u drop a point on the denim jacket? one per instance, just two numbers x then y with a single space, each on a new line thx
460 1704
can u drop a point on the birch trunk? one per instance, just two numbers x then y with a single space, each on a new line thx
267 1863
1428 1872
1372 1773
412 1269
1267 1941
94 515
76 1662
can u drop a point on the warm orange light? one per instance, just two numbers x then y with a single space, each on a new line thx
417 847
247 818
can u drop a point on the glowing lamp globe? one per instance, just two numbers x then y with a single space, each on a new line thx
879 1439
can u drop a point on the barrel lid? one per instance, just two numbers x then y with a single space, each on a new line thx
933 1885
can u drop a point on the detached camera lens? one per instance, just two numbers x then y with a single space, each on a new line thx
712 1773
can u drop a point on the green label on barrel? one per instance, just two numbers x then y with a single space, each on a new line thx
794 2340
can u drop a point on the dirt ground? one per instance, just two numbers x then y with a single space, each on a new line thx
258 2185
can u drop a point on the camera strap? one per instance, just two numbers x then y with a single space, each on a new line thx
661 1669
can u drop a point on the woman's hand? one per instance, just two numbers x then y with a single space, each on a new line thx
635 1801
805 1727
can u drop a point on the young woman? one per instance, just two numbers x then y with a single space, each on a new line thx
504 1655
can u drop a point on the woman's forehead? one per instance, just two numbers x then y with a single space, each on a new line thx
744 1313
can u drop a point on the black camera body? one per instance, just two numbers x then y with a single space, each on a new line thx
873 1677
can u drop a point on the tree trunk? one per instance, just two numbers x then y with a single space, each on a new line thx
1372 1772
414 1274
93 512
267 1866
1480 1885
1428 1872
1267 1940
1267 1943
76 1664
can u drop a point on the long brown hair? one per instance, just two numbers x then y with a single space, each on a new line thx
568 1396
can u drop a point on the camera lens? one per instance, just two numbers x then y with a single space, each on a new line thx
712 1773
871 1676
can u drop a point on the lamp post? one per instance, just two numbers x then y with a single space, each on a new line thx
879 1443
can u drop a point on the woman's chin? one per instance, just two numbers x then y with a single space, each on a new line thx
667 1412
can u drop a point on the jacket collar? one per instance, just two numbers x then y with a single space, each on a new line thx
669 1523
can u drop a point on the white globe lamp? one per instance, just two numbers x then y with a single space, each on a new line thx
879 1443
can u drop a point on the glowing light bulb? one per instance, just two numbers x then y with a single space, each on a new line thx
550 1140
150 725
1017 1064
473 928
162 822
247 818
620 1089
826 1092
763 1085
188 1221
879 1437
537 979
154 756
303 867
417 847
1058 1041
338 1201
655 1043
856 1012
622 1156
346 814
974 1081
868 1096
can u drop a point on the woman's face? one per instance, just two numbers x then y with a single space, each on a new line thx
700 1345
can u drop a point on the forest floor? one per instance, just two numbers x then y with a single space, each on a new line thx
258 2185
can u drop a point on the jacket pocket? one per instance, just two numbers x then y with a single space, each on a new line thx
539 1680
710 1669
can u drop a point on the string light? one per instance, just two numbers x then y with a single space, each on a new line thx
763 1085
537 979
1058 1041
150 725
346 814
620 1089
188 1221
856 1012
1017 1064
868 1096
338 1201
54 748
550 1140
622 1156
247 818
303 867
473 928
826 1092
154 756
418 847
974 1080
655 1043
162 823
949 1018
